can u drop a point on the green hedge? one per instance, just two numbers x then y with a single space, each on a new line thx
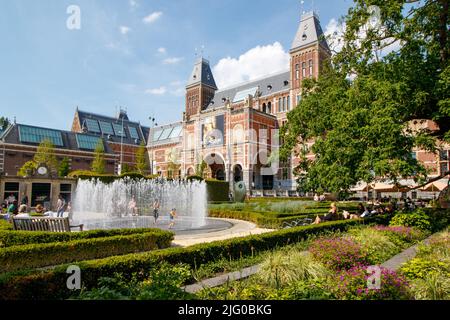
16 237
51 284
261 219
217 190
50 254
5 225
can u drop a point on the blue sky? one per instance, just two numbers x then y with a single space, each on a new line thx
136 53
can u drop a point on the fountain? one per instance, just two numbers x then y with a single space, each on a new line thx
100 205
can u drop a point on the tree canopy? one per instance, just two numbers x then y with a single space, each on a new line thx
98 164
357 112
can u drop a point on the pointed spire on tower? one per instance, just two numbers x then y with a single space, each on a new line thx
202 74
309 32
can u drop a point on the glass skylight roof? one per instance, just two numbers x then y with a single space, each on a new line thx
156 135
176 132
166 133
106 127
133 132
118 130
37 135
241 95
87 142
92 125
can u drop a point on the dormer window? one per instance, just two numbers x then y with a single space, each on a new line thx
224 99
286 82
269 87
304 37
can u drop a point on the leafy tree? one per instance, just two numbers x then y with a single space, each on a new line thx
358 111
27 169
141 159
98 165
64 167
45 154
4 123
200 168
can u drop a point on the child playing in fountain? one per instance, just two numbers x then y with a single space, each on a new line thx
155 210
132 206
172 215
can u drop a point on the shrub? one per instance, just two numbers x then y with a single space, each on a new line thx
353 285
50 284
418 219
5 225
338 253
419 268
163 284
217 190
17 237
375 244
31 256
194 178
400 235
283 268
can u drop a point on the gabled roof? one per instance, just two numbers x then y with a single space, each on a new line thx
110 128
309 32
202 74
264 87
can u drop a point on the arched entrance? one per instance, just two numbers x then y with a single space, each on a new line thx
216 166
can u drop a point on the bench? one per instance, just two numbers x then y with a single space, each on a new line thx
43 224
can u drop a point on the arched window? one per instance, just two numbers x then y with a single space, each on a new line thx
269 107
264 108
304 69
279 105
288 103
310 68
297 71
284 104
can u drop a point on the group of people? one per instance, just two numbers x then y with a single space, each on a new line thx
319 198
10 207
362 211
132 206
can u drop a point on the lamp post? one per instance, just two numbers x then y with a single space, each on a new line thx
153 124
121 148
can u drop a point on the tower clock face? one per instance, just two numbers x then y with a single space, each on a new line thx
42 170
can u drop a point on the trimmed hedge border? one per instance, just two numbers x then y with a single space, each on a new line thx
51 284
49 254
262 219
17 237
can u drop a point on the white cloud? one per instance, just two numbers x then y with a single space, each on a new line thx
133 4
255 63
124 30
334 31
173 60
156 91
162 50
152 17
